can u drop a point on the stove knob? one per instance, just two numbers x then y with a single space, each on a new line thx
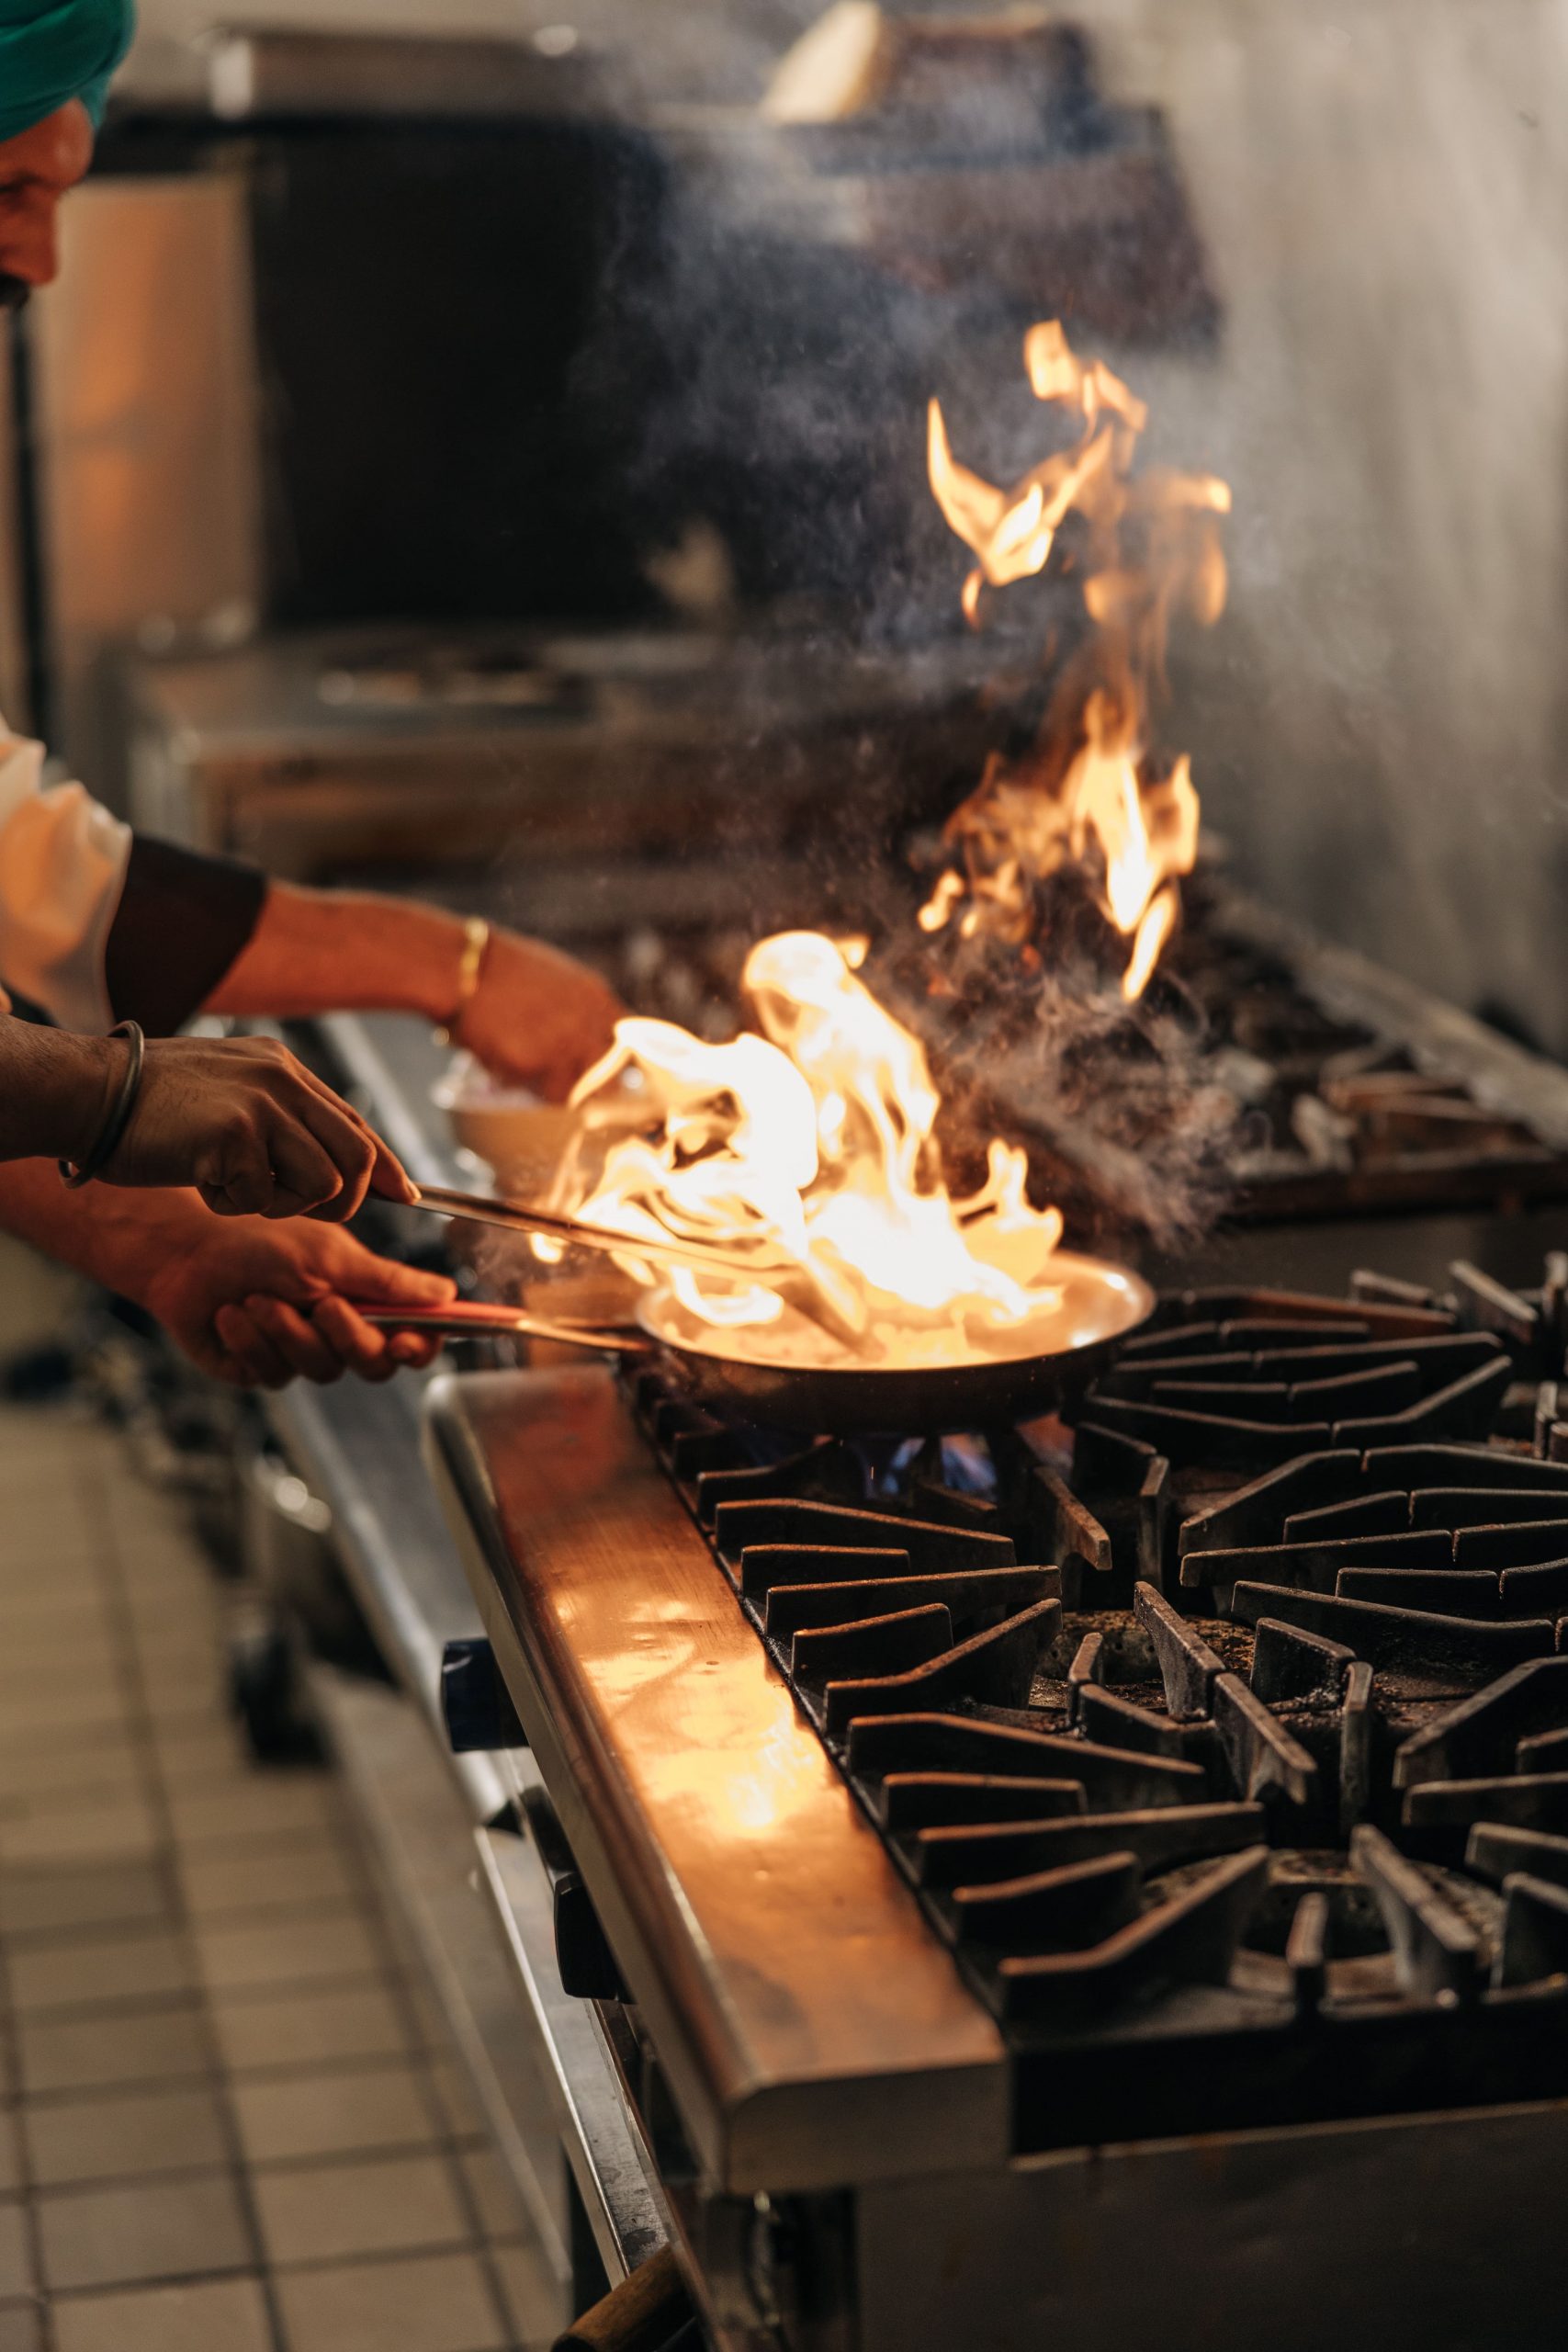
475 1705
583 1950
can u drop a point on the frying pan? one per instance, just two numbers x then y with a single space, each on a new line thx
1101 1305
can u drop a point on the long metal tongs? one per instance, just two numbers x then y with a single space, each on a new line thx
472 1318
514 1217
794 1283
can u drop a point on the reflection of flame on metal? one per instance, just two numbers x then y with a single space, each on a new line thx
814 1141
1090 793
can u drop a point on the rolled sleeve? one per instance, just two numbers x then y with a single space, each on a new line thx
98 924
180 922
63 867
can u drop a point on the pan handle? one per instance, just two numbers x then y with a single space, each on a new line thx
468 1319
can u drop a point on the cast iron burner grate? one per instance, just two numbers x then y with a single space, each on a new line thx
1224 1742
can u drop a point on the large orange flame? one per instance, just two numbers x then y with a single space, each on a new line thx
1092 793
813 1144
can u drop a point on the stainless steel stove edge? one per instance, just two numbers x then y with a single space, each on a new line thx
754 2130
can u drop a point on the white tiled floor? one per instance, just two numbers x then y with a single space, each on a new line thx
227 2122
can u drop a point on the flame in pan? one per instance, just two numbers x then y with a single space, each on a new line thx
809 1144
1091 792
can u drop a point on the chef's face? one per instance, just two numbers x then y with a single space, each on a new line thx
37 167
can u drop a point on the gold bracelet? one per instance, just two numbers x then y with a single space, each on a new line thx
475 945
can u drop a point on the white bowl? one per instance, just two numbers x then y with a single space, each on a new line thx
520 1138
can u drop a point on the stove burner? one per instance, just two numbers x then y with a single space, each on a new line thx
1264 1072
1228 1751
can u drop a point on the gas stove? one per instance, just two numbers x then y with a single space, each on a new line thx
1000 1853
1267 1074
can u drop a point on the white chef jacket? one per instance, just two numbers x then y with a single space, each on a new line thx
62 866
98 923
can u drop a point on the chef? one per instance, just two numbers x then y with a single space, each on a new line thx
105 930
100 927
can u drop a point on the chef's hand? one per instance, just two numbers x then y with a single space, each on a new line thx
253 1130
538 1018
258 1304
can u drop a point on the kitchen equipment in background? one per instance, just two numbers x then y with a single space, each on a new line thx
142 375
580 768
333 366
952 146
281 72
1338 1090
980 155
1269 1074
475 331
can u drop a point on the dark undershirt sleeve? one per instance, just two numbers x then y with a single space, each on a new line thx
182 921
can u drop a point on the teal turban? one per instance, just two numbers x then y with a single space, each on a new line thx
52 50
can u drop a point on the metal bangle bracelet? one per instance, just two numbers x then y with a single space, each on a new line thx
106 1141
476 947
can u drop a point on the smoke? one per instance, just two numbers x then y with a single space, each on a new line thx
1125 1109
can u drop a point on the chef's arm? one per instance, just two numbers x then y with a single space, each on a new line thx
528 1013
250 1302
56 1090
313 951
238 1118
99 925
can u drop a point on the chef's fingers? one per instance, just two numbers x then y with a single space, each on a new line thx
329 1116
416 1349
256 1193
255 1360
389 1178
330 1128
361 1348
295 1339
387 1281
306 1178
242 1193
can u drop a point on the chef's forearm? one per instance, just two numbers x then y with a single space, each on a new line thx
55 1090
114 1237
324 951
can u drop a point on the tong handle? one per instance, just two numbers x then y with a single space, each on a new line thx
468 1319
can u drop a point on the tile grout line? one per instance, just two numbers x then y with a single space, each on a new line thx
144 1720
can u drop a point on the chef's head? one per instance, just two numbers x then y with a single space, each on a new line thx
56 58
